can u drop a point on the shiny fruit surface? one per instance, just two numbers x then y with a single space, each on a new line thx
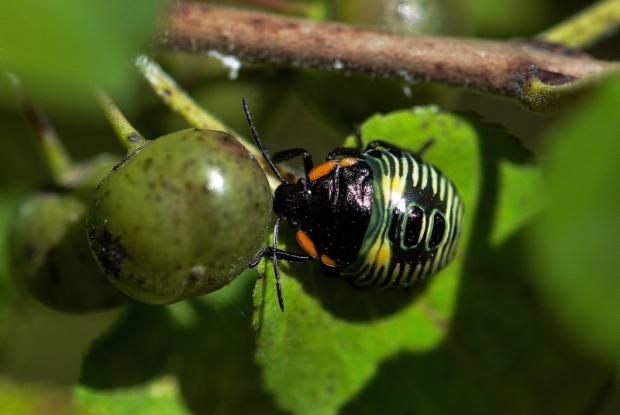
181 216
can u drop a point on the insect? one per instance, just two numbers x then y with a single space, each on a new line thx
381 216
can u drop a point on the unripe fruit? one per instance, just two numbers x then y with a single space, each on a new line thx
50 256
405 16
50 253
180 216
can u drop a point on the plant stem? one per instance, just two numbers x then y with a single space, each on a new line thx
179 101
129 137
54 152
586 27
501 67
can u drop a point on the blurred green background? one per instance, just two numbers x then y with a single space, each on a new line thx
542 337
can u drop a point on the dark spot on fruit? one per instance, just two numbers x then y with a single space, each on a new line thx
167 92
227 142
188 163
54 273
148 163
31 252
111 252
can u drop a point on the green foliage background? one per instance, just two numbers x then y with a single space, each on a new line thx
526 319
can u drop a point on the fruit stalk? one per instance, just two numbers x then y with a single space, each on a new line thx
598 21
177 99
56 156
129 137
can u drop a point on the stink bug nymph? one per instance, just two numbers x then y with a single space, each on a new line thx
380 215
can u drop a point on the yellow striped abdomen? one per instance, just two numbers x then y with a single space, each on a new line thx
414 225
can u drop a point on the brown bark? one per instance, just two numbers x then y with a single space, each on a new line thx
500 67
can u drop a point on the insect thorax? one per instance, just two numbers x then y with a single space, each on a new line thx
339 212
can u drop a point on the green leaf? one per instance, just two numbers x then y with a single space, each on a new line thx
330 341
159 397
135 350
58 46
579 235
217 372
195 356
18 398
504 354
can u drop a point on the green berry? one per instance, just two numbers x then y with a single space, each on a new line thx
405 16
180 216
51 258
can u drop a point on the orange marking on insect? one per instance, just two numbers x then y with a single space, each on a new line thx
328 261
306 243
321 170
348 161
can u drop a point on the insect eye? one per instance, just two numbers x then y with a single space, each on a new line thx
415 217
439 228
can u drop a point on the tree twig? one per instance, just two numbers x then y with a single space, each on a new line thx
501 67
586 27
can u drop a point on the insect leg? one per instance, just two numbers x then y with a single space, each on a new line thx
424 147
342 151
284 155
394 148
276 267
380 143
281 254
348 151
287 255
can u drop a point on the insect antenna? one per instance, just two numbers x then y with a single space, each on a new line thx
266 154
